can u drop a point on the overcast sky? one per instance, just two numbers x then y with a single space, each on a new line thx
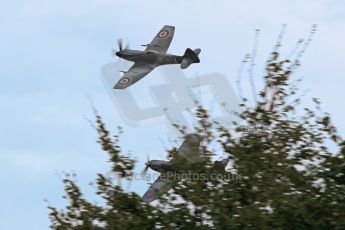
52 53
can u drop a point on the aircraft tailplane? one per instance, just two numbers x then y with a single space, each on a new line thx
190 57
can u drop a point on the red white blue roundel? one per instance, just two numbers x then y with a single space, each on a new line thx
163 34
124 81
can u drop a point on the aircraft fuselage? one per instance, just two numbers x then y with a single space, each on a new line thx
149 57
160 166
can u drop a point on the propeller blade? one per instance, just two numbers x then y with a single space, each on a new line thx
120 45
147 165
143 173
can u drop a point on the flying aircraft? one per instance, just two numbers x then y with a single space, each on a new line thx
189 152
153 56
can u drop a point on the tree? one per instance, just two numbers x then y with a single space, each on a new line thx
283 175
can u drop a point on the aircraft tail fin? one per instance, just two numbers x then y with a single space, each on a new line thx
197 51
190 56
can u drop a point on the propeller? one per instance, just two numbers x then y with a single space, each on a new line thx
147 166
120 47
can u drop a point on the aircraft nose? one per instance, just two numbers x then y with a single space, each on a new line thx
147 163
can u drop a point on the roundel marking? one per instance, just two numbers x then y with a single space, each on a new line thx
163 34
124 81
150 194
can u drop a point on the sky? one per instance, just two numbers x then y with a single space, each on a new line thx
51 57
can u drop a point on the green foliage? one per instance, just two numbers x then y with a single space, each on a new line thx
121 165
283 176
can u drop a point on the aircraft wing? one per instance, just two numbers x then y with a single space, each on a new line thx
134 74
162 40
190 148
158 188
